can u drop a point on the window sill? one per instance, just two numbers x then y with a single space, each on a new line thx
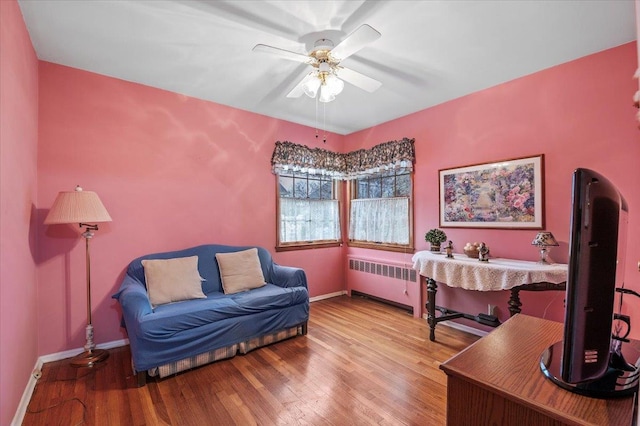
307 246
381 246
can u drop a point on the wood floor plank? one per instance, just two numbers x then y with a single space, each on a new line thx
361 363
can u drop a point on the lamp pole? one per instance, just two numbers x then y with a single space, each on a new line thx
91 355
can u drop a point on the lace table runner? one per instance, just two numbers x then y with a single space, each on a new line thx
496 274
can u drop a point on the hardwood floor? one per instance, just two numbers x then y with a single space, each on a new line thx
362 362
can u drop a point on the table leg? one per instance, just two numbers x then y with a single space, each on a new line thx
432 287
514 301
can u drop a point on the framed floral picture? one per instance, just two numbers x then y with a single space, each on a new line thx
505 194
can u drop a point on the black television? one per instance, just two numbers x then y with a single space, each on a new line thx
591 361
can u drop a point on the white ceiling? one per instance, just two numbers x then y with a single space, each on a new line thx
429 52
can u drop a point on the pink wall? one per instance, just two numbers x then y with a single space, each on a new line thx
172 171
18 179
577 114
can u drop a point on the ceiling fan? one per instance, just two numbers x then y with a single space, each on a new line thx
327 74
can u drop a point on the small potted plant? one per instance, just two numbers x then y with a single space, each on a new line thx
435 237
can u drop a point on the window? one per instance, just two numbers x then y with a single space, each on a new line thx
380 204
380 211
309 212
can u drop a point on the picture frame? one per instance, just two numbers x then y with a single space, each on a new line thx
507 194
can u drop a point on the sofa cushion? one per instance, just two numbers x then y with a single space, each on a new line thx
207 265
170 319
172 280
240 271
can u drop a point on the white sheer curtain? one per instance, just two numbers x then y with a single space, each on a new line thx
309 220
381 220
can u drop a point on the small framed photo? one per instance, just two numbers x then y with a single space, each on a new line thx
506 194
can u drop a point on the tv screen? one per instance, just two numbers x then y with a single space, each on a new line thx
596 257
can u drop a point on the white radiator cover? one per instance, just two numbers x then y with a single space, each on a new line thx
394 281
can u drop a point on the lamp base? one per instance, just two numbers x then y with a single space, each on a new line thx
543 256
89 358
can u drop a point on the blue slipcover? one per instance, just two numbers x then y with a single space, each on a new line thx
179 330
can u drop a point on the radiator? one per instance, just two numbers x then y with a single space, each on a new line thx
373 267
391 281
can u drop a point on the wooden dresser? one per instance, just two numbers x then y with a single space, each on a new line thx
497 381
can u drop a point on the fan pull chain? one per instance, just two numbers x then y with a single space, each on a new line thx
316 99
324 121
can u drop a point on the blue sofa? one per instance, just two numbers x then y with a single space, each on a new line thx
177 336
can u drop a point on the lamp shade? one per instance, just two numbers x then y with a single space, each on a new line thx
311 86
544 239
325 94
334 84
77 206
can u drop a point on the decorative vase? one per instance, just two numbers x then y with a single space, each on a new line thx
435 247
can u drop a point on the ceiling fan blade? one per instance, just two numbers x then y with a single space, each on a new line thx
297 91
285 54
359 80
355 41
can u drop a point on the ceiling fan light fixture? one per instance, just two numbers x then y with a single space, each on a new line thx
311 87
325 94
334 84
324 67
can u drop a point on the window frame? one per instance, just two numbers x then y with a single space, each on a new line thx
305 245
352 191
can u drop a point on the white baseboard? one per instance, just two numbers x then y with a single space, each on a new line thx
73 352
462 327
37 372
327 296
26 395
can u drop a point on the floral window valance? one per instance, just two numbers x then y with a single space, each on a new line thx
388 155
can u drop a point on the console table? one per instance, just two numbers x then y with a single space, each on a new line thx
498 381
494 275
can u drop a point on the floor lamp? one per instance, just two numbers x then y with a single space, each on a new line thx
82 207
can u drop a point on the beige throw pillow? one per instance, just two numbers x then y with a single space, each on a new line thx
240 270
172 280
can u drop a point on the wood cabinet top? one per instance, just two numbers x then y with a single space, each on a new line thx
507 362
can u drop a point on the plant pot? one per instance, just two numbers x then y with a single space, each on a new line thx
435 247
